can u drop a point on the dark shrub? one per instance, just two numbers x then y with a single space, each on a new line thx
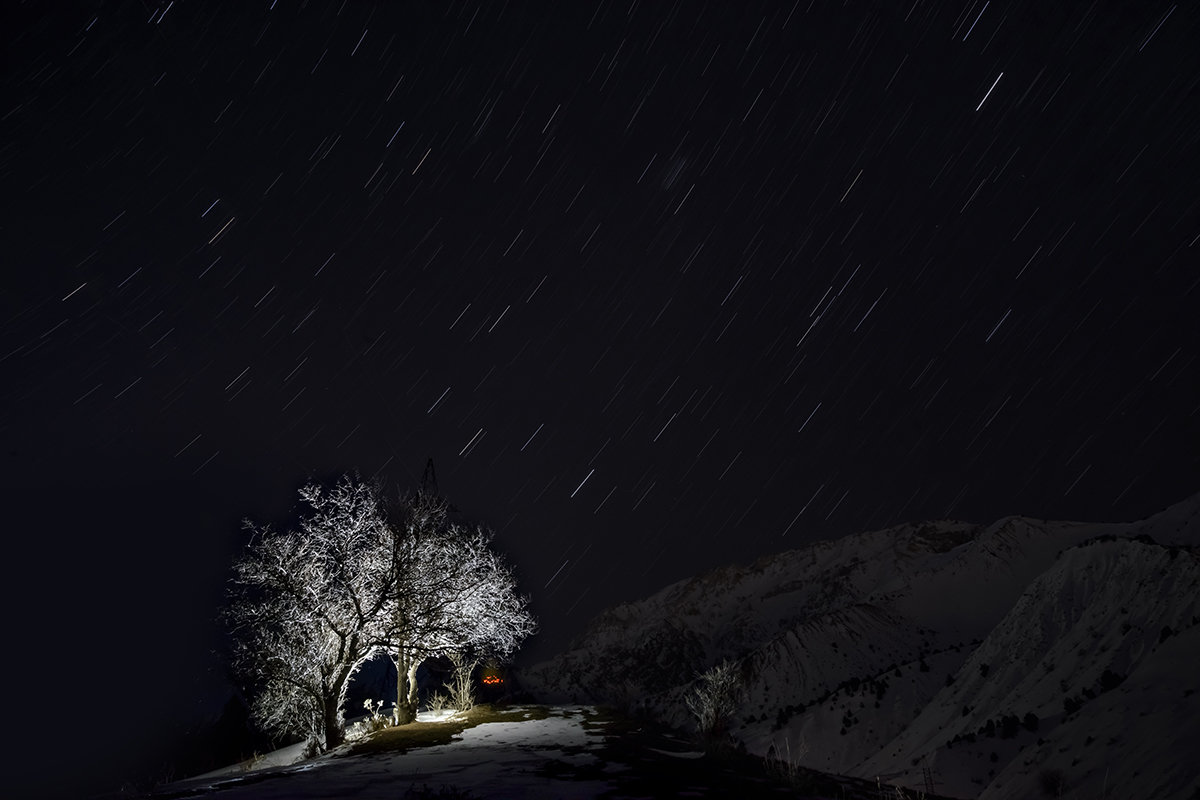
1051 782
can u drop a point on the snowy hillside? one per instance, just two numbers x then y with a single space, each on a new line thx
991 660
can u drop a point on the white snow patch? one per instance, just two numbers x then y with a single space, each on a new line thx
493 759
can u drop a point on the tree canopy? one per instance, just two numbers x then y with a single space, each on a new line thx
362 576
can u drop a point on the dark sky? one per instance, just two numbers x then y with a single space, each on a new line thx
658 286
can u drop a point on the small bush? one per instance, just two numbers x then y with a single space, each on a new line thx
715 698
439 701
783 764
1051 782
1110 680
374 721
461 687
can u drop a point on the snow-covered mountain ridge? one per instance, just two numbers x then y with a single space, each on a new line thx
992 660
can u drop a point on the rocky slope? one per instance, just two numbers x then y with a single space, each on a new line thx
990 660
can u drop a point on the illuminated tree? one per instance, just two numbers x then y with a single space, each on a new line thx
309 607
454 595
306 608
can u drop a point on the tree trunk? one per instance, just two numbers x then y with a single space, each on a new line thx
413 700
334 735
406 688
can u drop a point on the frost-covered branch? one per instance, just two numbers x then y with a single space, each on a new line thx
714 698
305 606
309 607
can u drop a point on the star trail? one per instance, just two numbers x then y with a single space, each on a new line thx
658 286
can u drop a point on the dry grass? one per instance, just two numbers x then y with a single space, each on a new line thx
427 734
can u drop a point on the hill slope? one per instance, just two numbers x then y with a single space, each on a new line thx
890 653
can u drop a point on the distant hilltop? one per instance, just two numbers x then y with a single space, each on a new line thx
1019 659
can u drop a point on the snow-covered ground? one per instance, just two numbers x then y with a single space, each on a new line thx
574 752
495 759
294 753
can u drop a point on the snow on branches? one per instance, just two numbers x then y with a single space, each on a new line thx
308 607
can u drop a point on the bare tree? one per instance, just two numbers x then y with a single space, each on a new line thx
453 594
306 607
309 607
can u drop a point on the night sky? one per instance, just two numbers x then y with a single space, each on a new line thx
659 287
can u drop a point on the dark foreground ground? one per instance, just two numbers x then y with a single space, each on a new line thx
530 752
